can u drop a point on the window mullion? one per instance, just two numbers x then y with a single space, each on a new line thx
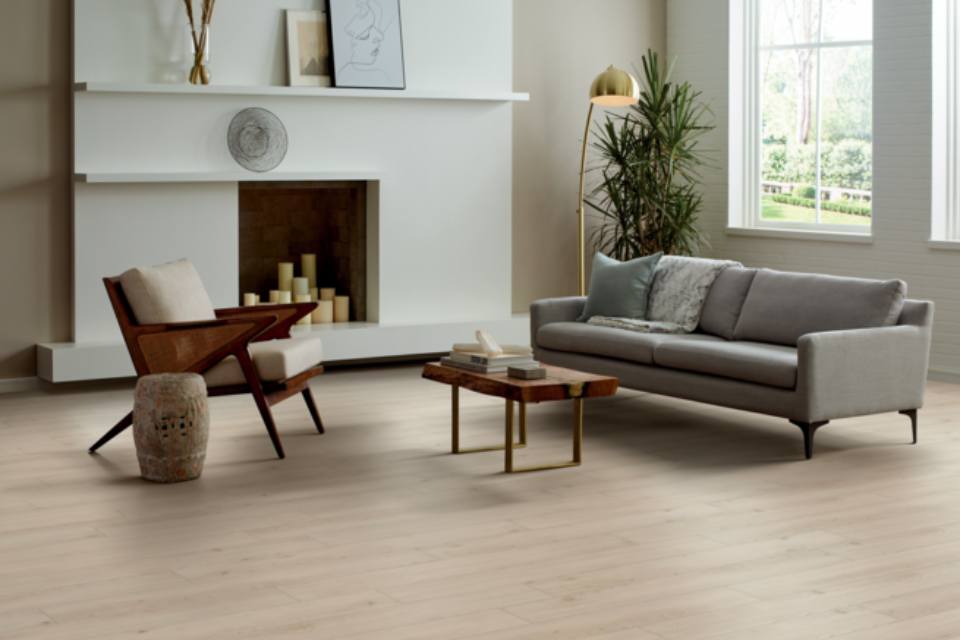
817 146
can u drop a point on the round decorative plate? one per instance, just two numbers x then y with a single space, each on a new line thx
257 139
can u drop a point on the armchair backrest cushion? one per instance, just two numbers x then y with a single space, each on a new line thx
781 306
171 292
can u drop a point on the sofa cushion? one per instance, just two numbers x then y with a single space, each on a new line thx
274 360
780 306
171 292
619 289
725 300
608 342
767 364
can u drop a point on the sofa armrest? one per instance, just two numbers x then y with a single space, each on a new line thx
862 371
551 310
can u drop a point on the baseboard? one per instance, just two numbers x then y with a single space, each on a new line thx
944 375
16 385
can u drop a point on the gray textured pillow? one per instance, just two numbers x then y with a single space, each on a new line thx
724 301
781 306
620 289
680 288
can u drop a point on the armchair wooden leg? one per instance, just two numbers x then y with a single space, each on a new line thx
912 414
117 429
809 428
312 408
256 389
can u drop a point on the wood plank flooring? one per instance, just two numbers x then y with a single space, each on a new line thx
685 522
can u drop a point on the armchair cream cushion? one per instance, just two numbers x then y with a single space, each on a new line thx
171 292
274 360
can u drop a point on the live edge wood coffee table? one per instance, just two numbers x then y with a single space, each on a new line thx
560 384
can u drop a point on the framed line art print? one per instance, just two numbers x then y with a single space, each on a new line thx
367 44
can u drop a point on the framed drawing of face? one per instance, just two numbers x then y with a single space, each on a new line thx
308 49
367 44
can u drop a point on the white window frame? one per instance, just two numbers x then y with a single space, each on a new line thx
945 144
745 153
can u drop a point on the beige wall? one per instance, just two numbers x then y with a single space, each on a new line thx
559 46
34 180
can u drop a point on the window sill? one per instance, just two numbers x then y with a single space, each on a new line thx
801 234
945 245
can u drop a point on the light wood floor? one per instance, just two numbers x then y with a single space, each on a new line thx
685 522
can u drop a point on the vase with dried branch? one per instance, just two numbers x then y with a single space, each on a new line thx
200 72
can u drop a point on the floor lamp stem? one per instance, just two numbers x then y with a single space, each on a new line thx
581 214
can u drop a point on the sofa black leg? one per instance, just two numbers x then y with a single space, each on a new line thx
809 429
912 414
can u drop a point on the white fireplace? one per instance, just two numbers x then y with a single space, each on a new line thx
155 181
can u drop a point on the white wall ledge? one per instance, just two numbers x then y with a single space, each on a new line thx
296 92
226 176
800 234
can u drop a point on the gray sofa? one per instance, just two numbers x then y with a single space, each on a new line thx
808 348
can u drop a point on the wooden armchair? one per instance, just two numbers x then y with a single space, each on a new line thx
238 350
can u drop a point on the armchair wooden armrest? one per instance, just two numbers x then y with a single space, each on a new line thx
284 317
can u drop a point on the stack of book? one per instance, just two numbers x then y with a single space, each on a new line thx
519 361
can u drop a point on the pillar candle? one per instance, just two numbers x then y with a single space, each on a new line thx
301 287
328 294
274 296
308 268
341 309
251 299
303 298
284 297
285 276
324 312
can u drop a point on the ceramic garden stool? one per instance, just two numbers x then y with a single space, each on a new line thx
170 426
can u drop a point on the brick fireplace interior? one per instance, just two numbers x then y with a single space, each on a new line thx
279 221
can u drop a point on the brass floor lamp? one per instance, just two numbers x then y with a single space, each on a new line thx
612 88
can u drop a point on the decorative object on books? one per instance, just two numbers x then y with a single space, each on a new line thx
284 297
620 289
367 43
170 426
559 384
308 49
251 299
274 296
200 41
324 312
301 287
648 195
612 88
257 139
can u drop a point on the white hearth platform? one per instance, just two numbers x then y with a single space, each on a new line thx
73 362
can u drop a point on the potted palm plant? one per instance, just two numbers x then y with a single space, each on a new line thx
648 197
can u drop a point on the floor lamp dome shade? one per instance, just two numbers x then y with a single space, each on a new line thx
614 88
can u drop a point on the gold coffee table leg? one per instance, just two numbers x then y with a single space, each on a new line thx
577 439
455 426
507 439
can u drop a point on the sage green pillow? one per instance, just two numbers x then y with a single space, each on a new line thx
620 289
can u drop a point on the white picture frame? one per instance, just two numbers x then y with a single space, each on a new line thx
366 40
308 49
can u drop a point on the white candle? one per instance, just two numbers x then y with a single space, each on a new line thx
301 287
251 299
274 296
284 297
341 309
308 268
285 276
303 298
328 294
324 312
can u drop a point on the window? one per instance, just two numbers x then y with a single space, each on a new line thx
801 114
945 176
